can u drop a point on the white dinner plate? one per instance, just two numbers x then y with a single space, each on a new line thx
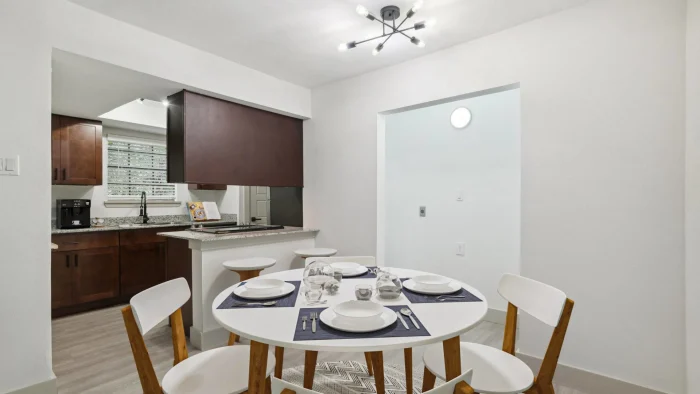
243 292
331 319
431 281
355 310
450 288
347 267
360 271
264 287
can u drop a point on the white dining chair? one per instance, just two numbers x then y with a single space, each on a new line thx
460 385
221 370
499 371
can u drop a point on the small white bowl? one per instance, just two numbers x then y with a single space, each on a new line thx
431 282
347 267
358 310
263 286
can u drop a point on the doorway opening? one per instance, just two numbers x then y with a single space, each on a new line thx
449 188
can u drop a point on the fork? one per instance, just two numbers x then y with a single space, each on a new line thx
439 299
303 323
314 316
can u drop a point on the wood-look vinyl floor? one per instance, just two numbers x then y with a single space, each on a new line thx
91 353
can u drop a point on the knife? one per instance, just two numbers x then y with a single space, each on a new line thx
402 320
313 323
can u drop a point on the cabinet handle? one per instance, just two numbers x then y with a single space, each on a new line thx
67 261
55 174
76 260
64 174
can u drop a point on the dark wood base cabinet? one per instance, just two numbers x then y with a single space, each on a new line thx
94 270
84 276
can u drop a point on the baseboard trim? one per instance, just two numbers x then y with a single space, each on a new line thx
587 381
208 340
45 387
495 316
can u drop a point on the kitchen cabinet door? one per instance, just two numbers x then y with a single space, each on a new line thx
142 266
61 279
96 274
81 152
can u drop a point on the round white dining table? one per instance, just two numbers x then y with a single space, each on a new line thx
275 326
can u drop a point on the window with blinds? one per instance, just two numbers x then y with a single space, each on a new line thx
137 166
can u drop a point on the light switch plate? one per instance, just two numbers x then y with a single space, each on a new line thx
461 249
11 166
2 165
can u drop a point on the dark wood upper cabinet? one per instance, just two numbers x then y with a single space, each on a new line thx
216 142
76 151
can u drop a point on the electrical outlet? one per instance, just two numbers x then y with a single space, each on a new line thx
421 211
461 249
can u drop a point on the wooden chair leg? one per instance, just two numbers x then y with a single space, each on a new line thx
309 368
408 366
368 360
453 358
428 380
378 365
279 361
257 368
232 339
268 385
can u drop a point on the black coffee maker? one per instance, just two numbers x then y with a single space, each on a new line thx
72 214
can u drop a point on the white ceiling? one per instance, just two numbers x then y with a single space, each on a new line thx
88 88
297 40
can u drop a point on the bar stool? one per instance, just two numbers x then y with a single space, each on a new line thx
247 269
314 252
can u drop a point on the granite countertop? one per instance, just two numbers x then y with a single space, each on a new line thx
205 237
131 224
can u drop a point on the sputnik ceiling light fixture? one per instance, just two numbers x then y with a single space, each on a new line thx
388 17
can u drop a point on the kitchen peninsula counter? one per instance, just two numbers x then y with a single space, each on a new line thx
209 277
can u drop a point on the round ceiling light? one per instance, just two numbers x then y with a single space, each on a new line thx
461 117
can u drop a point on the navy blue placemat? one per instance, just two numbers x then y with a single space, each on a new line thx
323 331
367 275
282 302
417 298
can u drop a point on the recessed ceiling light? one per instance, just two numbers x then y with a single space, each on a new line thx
165 102
461 117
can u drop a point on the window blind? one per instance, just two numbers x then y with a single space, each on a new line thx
135 166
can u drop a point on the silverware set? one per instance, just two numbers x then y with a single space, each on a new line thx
407 312
268 303
313 316
448 297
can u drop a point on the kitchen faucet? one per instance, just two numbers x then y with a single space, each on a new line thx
144 208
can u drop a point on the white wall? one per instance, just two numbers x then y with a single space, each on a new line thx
692 201
602 90
87 33
24 236
429 163
226 200
28 31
